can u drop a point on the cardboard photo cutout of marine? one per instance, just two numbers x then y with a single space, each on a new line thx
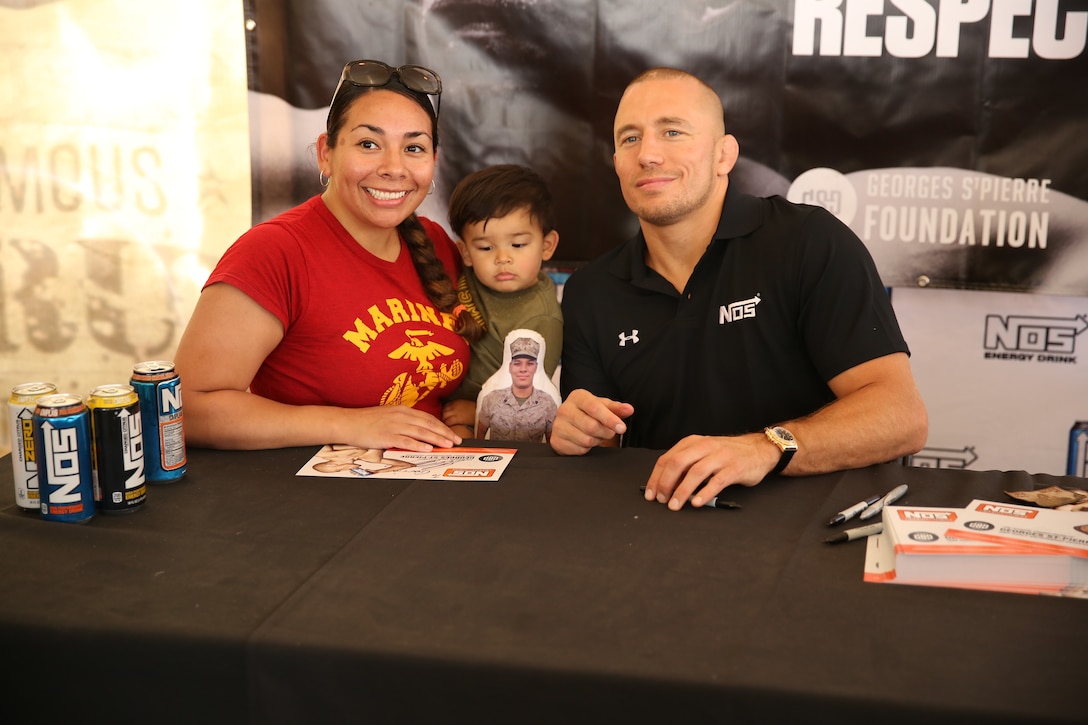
518 402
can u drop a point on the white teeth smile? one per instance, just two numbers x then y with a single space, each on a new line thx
386 195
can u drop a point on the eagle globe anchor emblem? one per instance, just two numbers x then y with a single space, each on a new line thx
410 388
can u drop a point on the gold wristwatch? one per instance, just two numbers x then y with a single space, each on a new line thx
785 442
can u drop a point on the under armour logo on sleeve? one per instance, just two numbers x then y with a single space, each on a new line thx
628 338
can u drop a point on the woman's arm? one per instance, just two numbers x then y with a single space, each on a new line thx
225 343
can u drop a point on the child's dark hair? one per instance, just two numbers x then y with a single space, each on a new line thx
496 191
489 193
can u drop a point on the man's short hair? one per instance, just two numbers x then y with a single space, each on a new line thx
665 73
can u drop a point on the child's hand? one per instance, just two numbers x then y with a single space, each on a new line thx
464 431
459 414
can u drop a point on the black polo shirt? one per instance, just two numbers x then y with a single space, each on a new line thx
785 298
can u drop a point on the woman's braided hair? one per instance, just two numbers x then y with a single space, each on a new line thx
436 283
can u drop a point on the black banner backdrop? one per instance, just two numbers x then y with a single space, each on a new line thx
948 133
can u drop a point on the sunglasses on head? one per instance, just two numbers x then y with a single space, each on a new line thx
375 74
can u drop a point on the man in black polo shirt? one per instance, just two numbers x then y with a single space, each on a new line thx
747 336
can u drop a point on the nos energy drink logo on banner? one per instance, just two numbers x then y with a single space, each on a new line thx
1038 339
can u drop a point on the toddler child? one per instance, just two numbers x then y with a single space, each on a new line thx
504 218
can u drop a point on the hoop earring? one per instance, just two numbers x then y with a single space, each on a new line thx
322 179
433 187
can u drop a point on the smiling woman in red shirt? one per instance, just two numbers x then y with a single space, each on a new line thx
337 321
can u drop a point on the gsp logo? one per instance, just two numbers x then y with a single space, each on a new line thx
1052 339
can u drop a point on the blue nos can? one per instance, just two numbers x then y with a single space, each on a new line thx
159 387
62 437
1078 450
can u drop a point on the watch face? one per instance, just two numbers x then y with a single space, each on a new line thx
783 434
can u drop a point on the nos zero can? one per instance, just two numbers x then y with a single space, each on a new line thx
23 458
62 440
1078 450
159 388
118 436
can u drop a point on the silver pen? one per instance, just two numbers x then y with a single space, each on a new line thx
889 498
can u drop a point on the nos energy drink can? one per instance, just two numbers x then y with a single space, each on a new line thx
62 440
159 388
23 458
1078 450
118 435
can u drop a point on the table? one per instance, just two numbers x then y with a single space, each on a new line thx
246 594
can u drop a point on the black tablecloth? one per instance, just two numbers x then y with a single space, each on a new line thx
244 593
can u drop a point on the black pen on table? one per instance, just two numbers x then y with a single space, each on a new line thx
851 511
858 533
715 502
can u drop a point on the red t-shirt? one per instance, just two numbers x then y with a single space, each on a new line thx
358 331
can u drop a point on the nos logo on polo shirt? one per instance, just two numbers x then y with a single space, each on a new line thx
740 310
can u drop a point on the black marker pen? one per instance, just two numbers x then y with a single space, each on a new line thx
858 533
848 513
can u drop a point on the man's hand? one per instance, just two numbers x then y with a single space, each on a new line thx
585 421
720 461
878 416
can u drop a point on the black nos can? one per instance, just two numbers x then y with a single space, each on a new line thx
117 431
